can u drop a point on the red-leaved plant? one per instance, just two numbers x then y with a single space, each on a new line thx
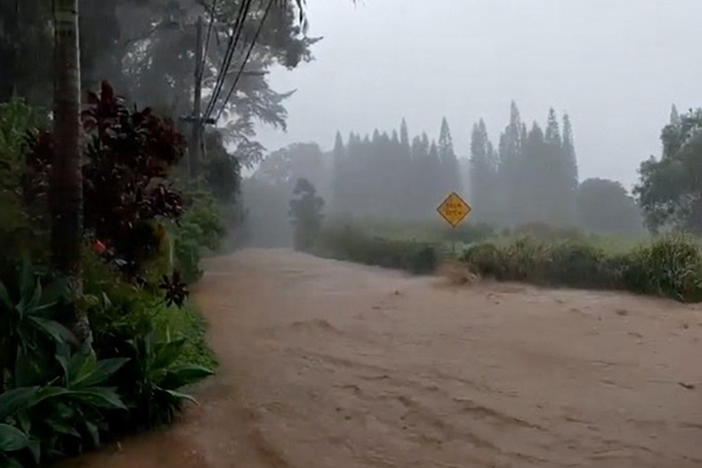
127 157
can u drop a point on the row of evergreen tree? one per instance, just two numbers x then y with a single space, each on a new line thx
389 175
533 175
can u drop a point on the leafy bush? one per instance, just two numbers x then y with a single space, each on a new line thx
29 315
350 244
128 156
153 382
17 120
57 399
200 229
670 266
63 416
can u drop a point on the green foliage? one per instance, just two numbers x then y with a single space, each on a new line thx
436 231
199 230
353 245
58 400
63 415
17 120
669 266
158 378
305 214
29 315
604 206
669 189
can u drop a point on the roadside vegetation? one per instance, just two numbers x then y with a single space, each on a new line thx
107 209
60 395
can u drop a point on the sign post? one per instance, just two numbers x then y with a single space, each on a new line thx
454 210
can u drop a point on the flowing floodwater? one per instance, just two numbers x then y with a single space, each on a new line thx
329 364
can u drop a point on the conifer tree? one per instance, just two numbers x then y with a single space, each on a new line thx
449 162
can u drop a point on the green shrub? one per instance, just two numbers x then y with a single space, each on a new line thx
670 266
353 245
58 400
63 416
154 378
199 230
17 233
488 260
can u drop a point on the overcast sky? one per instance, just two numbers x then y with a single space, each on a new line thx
615 66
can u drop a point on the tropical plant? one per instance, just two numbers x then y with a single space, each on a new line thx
29 324
57 418
200 229
131 153
156 378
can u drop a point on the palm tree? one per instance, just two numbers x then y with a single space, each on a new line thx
66 175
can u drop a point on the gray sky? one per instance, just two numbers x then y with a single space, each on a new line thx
614 65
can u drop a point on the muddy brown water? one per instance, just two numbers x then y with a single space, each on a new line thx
330 364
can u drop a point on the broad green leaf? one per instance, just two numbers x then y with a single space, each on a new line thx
167 353
80 367
181 396
49 392
103 371
15 399
53 329
12 439
23 421
34 447
94 432
102 397
184 375
61 427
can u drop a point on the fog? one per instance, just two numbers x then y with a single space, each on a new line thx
615 67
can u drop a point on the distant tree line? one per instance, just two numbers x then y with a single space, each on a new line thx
391 175
531 176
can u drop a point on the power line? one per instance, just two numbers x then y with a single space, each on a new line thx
226 60
246 59
207 40
231 47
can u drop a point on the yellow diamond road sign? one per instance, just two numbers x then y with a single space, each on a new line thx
454 209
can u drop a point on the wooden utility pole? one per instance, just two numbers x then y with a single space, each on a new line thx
66 186
196 138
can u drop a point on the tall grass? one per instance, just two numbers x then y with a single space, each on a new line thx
669 266
352 244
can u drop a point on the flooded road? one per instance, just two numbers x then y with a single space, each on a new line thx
329 364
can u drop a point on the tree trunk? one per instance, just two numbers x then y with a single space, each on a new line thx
66 177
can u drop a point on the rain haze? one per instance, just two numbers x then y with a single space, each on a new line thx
417 233
615 66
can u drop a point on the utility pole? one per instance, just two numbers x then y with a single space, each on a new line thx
195 140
